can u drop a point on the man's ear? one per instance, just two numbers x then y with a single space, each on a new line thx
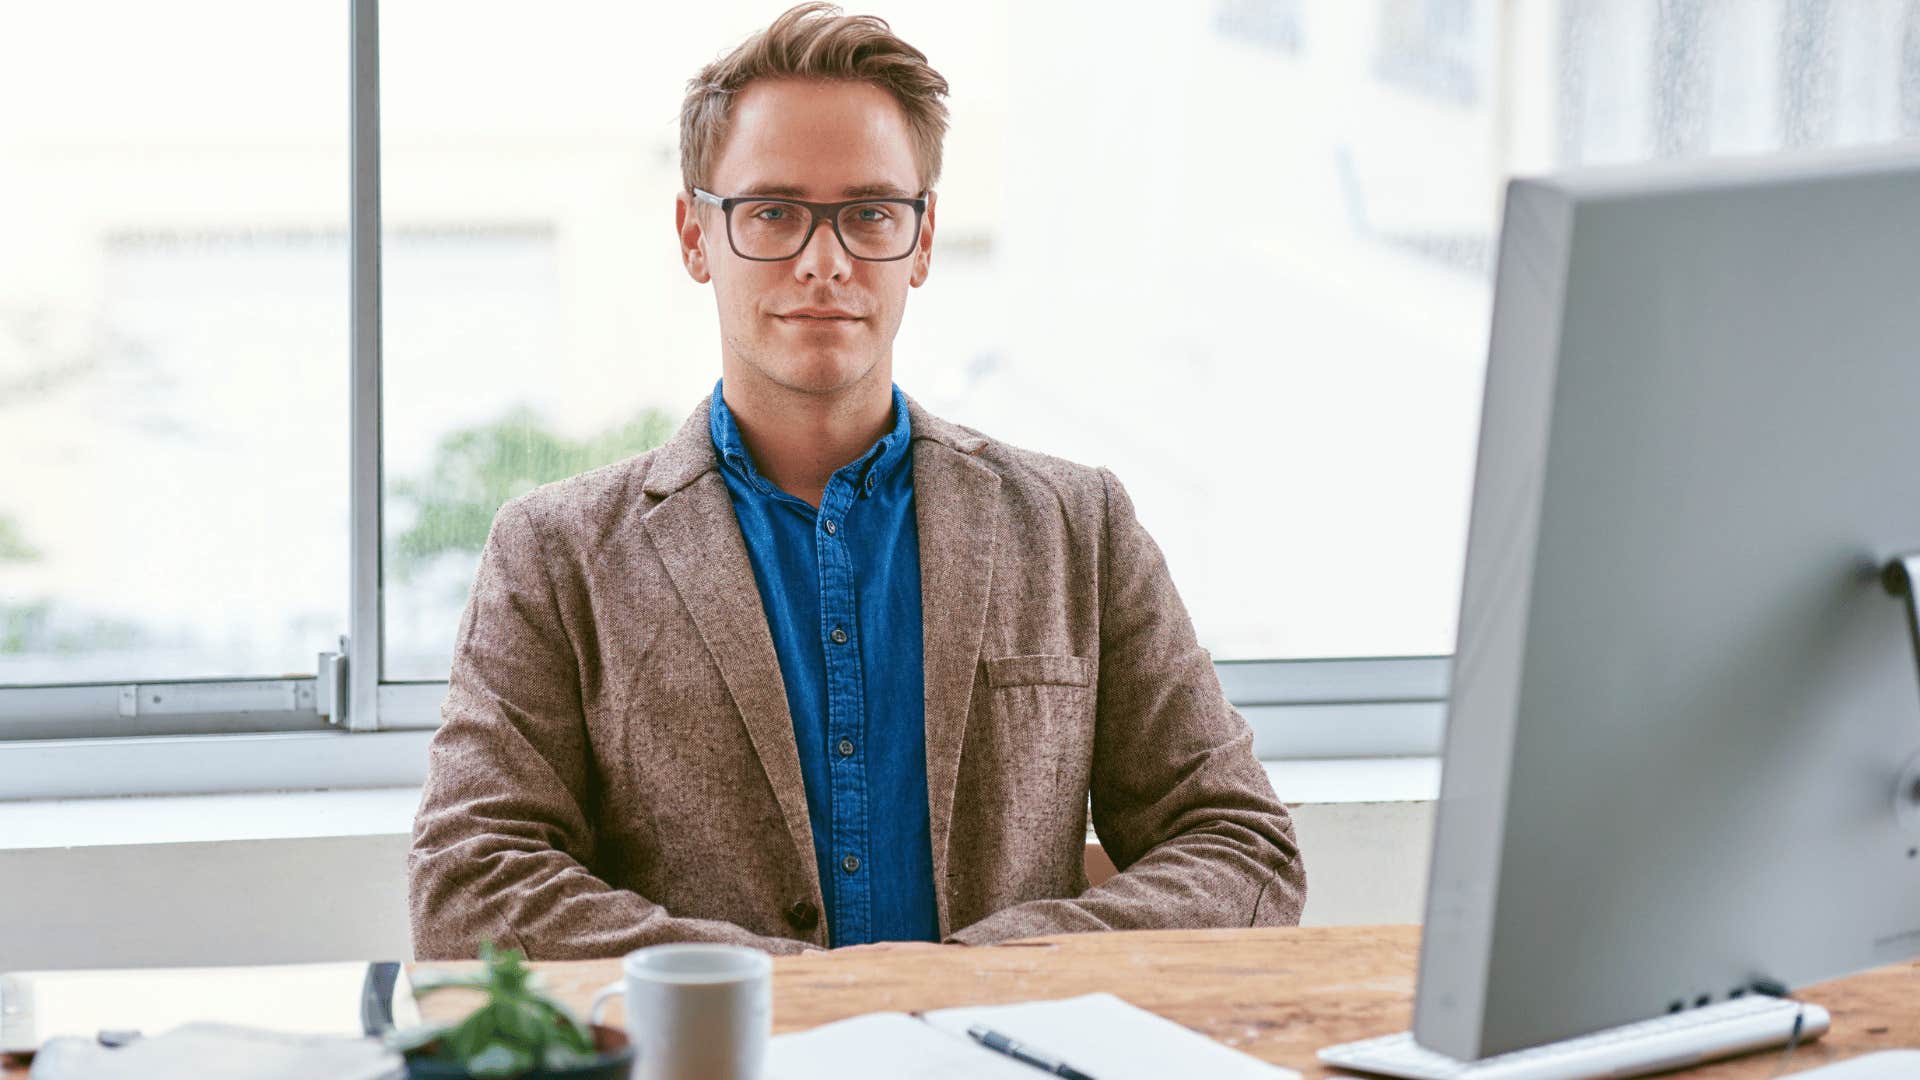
923 252
693 238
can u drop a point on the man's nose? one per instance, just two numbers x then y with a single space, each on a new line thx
824 256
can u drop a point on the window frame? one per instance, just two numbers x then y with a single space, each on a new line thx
347 727
1298 709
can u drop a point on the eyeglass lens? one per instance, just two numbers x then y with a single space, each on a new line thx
776 230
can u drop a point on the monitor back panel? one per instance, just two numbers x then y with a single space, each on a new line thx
1681 699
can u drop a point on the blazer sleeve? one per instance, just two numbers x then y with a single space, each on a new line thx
503 835
1180 803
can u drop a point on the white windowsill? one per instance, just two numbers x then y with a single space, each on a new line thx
283 815
180 819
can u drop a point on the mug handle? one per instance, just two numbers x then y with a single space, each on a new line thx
607 992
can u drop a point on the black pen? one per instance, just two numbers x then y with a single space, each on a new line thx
999 1043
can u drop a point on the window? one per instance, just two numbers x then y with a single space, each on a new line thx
173 340
1683 78
484 300
1206 357
1239 252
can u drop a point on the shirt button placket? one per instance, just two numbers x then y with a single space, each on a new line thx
846 714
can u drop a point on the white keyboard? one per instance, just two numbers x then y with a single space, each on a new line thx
1719 1030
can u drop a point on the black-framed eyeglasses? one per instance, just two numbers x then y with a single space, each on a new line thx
764 228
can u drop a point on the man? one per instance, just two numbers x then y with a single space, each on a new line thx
825 669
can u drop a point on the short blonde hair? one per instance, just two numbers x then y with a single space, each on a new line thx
815 41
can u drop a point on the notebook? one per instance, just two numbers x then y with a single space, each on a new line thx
303 999
1098 1034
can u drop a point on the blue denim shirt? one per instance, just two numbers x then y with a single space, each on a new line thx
841 589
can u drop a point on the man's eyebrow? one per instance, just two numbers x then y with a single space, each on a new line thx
857 191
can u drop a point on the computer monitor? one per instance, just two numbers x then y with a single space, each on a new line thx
1683 748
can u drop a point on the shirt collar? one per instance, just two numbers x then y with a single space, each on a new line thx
881 461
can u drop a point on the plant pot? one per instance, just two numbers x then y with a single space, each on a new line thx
616 1062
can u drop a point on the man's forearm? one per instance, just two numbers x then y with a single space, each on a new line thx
1220 874
555 910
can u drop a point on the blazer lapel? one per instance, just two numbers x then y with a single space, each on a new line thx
697 536
956 507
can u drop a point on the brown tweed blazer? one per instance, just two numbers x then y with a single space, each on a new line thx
617 766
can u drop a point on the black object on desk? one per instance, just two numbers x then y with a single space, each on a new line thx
376 997
999 1043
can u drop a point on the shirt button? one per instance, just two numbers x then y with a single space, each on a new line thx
839 636
846 747
869 483
850 864
830 529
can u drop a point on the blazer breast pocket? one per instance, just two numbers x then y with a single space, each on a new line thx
1042 722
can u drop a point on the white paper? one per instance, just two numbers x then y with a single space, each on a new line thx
1098 1034
885 1046
1108 1039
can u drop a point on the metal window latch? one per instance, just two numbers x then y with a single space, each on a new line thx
330 685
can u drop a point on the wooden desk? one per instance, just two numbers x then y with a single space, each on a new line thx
1278 994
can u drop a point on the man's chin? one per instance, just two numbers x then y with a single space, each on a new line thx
824 372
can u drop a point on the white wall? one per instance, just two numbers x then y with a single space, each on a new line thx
1366 862
344 897
212 903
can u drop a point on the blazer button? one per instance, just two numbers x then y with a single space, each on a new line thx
803 915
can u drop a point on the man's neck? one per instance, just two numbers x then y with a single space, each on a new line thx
797 440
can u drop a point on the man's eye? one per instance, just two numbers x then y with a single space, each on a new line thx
770 213
874 213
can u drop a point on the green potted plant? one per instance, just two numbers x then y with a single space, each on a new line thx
517 1033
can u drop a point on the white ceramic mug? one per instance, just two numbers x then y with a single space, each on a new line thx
695 1011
